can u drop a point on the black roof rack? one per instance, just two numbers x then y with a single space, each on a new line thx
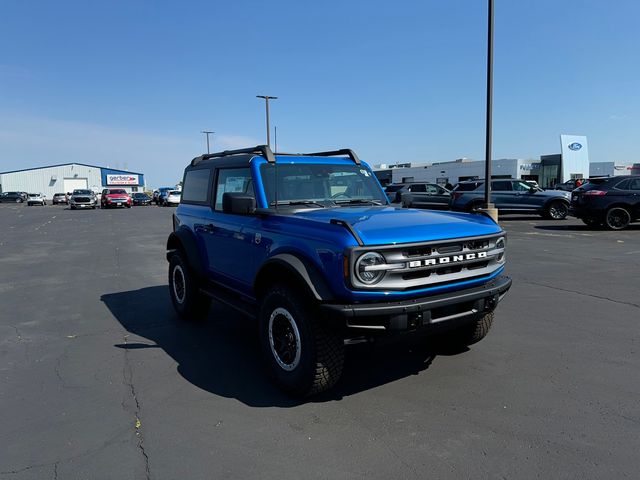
266 152
263 150
345 151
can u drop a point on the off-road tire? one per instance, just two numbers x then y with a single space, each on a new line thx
472 332
556 210
184 289
321 350
617 218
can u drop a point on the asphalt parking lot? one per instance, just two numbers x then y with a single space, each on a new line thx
99 380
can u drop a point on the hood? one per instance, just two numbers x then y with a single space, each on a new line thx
389 225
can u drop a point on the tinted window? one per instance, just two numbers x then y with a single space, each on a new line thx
196 185
467 187
501 186
623 185
393 188
232 180
417 188
634 184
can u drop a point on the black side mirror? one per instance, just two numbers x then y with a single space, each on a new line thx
238 203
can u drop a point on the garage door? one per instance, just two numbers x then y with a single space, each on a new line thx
70 184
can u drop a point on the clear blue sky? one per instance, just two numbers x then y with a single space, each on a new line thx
132 83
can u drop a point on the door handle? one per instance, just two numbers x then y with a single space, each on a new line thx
209 228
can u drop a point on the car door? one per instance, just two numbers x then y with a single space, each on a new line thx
437 197
416 195
634 200
227 237
502 195
526 197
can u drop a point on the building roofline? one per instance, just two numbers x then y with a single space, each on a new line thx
71 163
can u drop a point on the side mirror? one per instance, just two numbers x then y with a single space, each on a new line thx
238 203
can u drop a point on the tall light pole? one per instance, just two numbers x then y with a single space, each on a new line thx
207 133
489 207
266 101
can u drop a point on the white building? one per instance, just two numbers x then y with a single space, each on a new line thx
65 178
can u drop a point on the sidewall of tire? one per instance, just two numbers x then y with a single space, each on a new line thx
195 305
299 380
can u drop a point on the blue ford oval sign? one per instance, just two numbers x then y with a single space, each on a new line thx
575 146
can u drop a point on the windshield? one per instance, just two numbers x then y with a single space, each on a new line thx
117 192
34 195
320 184
175 192
82 192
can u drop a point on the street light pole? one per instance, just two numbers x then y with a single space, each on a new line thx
266 100
207 132
489 207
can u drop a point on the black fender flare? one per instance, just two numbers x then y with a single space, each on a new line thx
301 270
184 241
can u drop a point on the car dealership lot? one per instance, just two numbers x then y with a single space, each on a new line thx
100 380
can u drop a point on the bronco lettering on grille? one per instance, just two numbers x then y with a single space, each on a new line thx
454 258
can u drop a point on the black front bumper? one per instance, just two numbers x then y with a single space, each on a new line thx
424 311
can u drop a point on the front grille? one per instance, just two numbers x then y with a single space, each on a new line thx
411 267
82 199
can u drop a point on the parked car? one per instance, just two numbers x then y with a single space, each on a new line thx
395 191
569 185
172 198
431 196
160 193
511 196
59 198
139 198
612 201
81 198
313 250
12 197
115 197
36 199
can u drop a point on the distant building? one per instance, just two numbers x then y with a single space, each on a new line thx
65 178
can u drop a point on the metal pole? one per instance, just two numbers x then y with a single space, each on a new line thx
275 134
487 174
207 132
266 99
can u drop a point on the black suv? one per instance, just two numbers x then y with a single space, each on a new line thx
13 197
612 201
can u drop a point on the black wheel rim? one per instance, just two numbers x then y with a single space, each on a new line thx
618 218
178 284
284 339
558 211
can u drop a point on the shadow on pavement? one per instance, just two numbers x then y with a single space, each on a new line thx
222 354
583 228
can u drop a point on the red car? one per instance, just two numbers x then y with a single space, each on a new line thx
115 197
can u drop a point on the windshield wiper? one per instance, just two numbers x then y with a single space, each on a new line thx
354 201
297 202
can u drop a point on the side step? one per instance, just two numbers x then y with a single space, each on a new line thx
237 301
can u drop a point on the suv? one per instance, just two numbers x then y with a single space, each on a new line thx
511 196
59 198
12 197
427 195
309 245
36 199
612 201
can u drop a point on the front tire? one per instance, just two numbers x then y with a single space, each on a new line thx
303 356
184 288
617 218
557 210
472 332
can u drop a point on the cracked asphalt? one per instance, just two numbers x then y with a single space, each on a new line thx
99 380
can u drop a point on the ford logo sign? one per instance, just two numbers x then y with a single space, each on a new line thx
575 146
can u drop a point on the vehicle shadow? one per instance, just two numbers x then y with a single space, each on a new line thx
221 355
583 228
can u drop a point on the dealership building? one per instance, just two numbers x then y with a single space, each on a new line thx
68 177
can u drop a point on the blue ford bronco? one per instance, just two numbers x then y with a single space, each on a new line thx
309 245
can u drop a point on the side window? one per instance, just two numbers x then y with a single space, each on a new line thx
432 189
196 186
501 186
232 180
417 188
521 187
634 184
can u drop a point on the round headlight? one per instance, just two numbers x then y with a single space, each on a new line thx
366 275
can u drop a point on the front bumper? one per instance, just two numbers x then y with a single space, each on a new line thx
425 311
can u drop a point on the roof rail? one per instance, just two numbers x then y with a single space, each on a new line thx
263 150
345 151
